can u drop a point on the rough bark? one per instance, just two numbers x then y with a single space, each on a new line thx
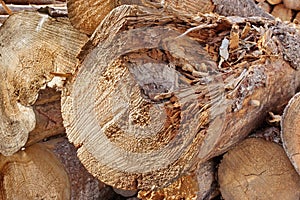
290 131
38 2
34 173
87 15
158 93
83 186
53 45
258 169
18 8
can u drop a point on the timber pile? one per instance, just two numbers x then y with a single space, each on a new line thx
174 99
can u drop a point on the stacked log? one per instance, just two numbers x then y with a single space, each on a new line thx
146 106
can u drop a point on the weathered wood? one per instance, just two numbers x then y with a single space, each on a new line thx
47 110
292 4
34 173
245 8
83 185
258 169
290 131
274 2
53 45
37 2
196 185
18 8
86 15
282 12
148 103
265 6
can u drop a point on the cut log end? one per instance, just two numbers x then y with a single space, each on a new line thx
24 74
33 173
290 131
259 169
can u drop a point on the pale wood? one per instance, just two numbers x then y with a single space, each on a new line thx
38 2
292 4
258 169
34 173
282 12
53 45
124 107
290 131
274 2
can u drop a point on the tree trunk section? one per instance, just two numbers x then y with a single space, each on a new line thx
149 101
258 169
34 173
290 131
53 45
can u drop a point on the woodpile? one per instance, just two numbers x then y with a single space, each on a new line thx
174 99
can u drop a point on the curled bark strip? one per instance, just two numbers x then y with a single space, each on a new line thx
149 101
53 45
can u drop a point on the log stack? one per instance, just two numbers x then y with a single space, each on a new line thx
149 100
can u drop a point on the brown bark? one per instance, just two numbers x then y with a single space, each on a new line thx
290 131
258 169
34 173
149 103
83 186
53 45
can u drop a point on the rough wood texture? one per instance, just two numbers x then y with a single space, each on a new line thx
196 185
38 2
148 103
292 4
283 13
274 2
290 131
83 185
47 110
245 8
189 6
258 169
34 173
53 45
18 8
265 6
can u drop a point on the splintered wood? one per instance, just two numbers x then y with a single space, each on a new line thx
151 99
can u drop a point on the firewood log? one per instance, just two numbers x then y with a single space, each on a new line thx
274 2
290 131
18 8
34 49
87 15
258 169
158 93
34 173
37 2
292 4
282 12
